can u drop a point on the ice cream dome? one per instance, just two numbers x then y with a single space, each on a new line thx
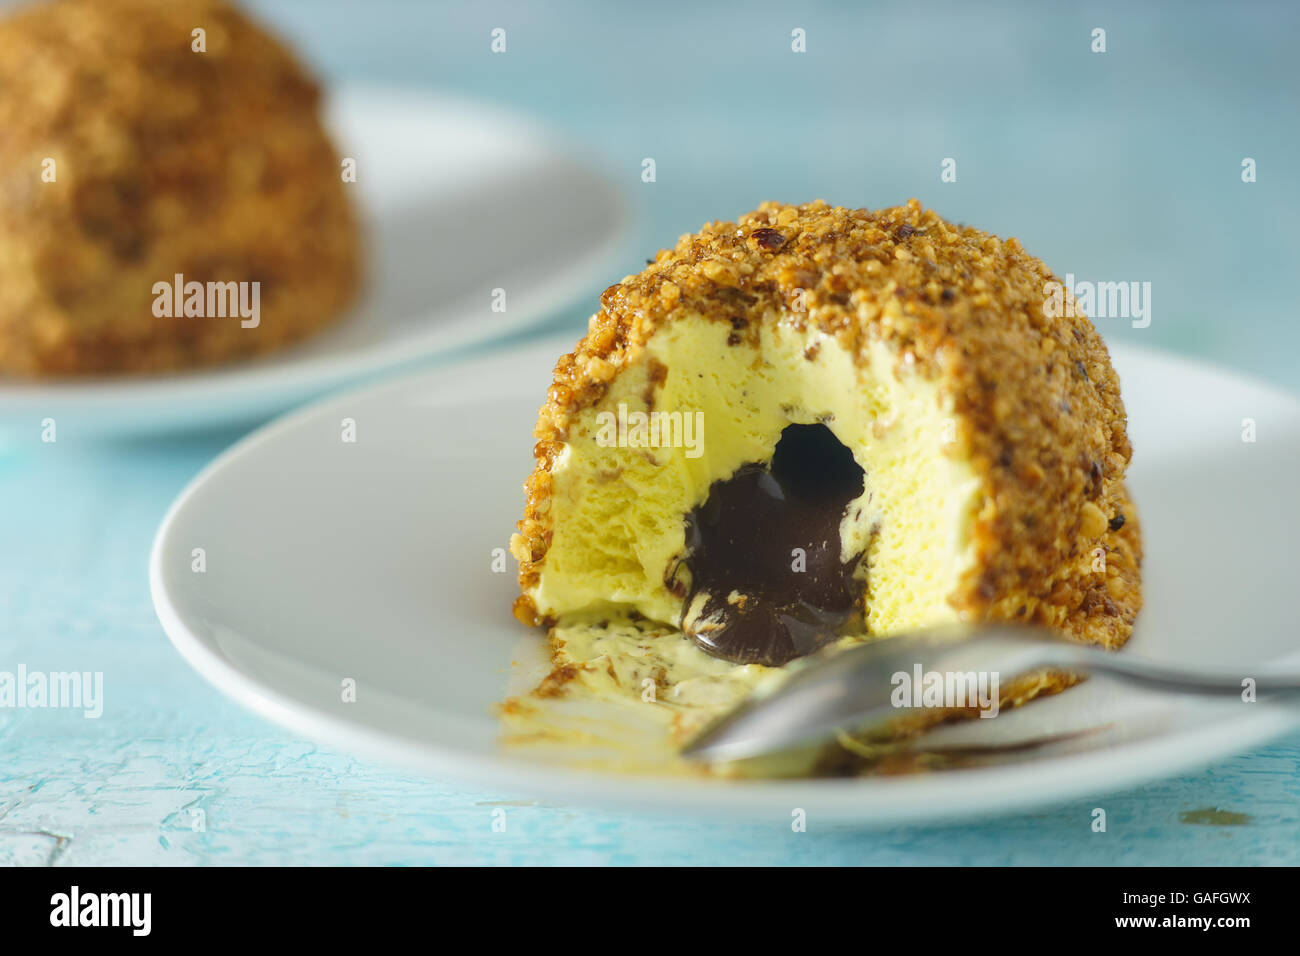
171 196
818 422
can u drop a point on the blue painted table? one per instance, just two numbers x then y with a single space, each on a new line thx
1107 165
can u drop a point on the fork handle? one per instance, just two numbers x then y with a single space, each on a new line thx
1217 682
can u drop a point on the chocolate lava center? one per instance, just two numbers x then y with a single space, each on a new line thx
765 550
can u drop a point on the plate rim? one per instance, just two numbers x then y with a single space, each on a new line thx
876 801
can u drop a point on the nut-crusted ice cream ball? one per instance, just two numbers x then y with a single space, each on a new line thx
891 432
146 140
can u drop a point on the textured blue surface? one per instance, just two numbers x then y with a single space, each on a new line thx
1116 166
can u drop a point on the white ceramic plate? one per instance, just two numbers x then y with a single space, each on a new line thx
458 199
372 561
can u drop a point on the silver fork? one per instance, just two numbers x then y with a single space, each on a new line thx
850 689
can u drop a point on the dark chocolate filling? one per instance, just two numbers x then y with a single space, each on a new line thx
764 549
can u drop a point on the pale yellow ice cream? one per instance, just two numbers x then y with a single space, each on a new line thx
625 695
633 692
618 511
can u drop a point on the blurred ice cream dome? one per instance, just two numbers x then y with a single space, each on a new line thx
161 160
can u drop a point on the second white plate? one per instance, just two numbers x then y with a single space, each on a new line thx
458 199
372 562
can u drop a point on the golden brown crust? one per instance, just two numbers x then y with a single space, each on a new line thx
1035 397
213 165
